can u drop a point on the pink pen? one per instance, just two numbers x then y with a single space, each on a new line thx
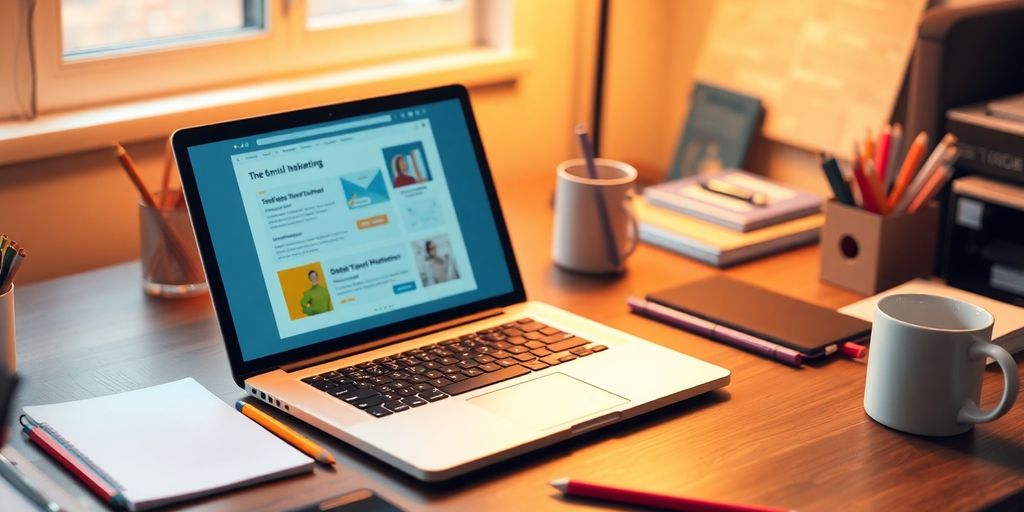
714 331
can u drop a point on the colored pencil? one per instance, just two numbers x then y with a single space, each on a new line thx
931 188
602 209
840 189
871 203
943 153
882 153
651 500
909 168
875 182
133 173
166 178
895 151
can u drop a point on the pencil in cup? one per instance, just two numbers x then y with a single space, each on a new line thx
169 253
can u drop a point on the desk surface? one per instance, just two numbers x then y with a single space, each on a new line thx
779 436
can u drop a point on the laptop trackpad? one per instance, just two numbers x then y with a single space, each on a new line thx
548 401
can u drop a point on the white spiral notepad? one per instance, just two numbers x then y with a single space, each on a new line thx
169 443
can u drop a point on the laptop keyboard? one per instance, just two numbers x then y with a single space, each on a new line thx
434 372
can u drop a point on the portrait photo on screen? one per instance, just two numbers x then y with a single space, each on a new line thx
435 261
406 165
305 292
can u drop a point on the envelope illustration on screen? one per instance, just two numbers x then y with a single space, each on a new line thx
364 189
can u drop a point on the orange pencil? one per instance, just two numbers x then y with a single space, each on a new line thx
133 174
909 168
930 188
869 146
875 182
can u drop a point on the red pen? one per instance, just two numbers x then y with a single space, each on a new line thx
650 499
74 464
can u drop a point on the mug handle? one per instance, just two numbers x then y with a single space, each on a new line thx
970 412
634 227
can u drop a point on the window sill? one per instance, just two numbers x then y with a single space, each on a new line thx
92 128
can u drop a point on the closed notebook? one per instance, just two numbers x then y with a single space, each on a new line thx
688 197
718 246
169 443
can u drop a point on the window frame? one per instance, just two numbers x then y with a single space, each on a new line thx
285 47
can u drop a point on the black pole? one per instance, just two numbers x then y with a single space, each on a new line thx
602 40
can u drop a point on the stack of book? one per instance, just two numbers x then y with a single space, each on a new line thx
731 217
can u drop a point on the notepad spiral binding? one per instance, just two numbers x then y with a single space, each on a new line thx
70 447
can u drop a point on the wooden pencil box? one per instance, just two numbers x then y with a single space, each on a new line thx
866 252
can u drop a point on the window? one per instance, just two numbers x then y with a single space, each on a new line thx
92 52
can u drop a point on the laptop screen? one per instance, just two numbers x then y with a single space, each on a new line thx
322 231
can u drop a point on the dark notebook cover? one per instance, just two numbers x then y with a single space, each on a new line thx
763 313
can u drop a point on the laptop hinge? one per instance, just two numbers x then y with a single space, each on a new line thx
365 347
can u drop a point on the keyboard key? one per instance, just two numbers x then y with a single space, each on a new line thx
554 338
507 362
433 374
378 411
310 380
490 367
455 377
432 396
342 391
405 392
541 352
554 359
365 365
416 370
524 357
533 335
531 326
548 331
512 332
359 394
423 386
567 344
486 379
534 344
381 380
440 383
516 340
581 351
416 379
400 384
484 359
597 348
472 372
396 406
324 385
398 375
389 397
469 363
380 360
368 402
524 320
448 361
508 325
536 365
432 365
445 343
566 358
414 401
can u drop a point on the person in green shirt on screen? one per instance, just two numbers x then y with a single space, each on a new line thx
316 300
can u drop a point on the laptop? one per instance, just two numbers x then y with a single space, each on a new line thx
364 282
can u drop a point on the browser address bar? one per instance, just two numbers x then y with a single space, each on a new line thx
369 121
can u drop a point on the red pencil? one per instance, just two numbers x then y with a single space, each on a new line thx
94 482
882 152
867 194
650 499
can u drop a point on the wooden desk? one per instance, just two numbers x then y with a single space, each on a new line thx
778 436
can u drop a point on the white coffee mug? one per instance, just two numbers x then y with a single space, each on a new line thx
926 365
585 238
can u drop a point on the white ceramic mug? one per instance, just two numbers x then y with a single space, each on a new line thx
926 364
580 240
7 353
